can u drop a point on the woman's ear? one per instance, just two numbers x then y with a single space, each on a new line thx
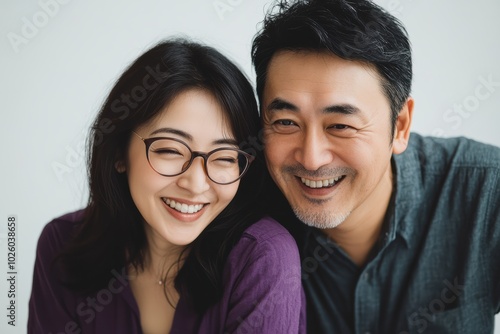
402 130
120 166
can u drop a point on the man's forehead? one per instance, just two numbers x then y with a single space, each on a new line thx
320 74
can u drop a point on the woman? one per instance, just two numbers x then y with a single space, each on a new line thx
173 238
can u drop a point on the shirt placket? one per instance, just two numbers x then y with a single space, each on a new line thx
367 302
368 293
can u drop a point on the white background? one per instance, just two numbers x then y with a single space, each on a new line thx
53 83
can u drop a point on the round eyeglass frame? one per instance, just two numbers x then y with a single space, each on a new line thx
194 154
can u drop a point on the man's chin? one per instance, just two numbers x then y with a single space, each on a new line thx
320 219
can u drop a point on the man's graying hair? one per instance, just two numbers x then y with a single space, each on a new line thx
352 30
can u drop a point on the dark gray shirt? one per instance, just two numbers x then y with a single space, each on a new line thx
436 268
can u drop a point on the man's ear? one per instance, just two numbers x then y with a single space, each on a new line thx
120 166
402 129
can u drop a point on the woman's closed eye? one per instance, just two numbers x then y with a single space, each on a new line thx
166 151
227 160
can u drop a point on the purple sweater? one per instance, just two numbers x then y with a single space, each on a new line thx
262 290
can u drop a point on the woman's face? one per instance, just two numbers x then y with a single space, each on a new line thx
195 118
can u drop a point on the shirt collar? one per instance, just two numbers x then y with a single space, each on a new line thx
407 195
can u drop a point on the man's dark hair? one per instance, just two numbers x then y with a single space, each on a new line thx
352 30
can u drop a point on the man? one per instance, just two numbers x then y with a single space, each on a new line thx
401 233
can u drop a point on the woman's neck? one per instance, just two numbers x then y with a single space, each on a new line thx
162 259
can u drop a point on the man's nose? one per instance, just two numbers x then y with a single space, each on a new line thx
315 150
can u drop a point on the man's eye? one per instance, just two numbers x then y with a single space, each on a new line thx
284 126
339 127
342 130
285 122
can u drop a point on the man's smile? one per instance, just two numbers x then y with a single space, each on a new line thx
325 183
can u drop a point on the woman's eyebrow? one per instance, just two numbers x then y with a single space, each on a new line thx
173 131
187 136
225 141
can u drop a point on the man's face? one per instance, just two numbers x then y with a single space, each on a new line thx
327 136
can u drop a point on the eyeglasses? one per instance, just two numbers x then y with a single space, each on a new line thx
171 157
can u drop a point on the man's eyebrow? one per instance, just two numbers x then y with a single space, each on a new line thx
346 109
280 104
223 141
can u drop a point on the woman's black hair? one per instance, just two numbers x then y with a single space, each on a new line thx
351 29
112 236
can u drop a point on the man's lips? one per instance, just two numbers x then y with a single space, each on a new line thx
321 183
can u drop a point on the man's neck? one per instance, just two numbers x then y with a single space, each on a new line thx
359 233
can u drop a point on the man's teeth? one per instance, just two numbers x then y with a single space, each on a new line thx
320 183
182 207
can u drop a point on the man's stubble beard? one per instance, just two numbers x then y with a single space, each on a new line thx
318 218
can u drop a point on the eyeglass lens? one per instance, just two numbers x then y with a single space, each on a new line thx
169 157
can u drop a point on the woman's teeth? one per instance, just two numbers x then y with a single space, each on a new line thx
321 183
182 207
